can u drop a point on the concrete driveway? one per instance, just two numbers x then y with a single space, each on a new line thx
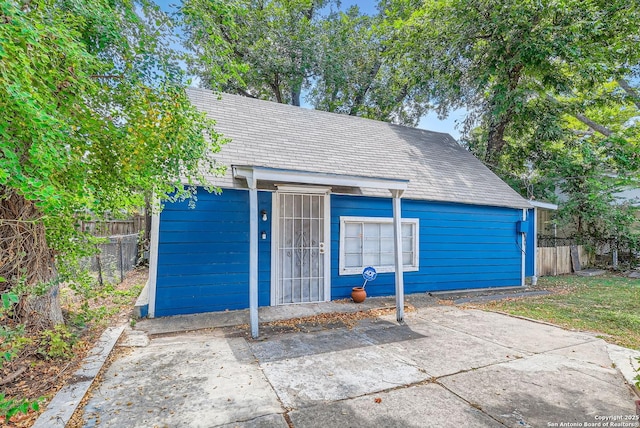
445 367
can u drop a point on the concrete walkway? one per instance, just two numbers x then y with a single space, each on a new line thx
445 367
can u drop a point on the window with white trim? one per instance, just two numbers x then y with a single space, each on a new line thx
368 241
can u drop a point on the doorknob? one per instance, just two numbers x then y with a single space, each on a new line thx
321 248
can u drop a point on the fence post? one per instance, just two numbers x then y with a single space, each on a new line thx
121 259
99 262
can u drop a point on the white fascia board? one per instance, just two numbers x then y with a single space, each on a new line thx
318 178
545 205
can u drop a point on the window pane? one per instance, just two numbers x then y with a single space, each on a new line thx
387 259
371 245
352 230
371 259
352 245
407 230
407 259
386 245
407 244
386 230
371 230
353 260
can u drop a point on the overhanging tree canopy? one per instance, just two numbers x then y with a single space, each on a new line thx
94 118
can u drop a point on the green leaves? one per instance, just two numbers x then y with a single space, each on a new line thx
8 300
265 49
11 407
94 114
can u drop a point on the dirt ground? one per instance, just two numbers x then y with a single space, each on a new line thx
34 376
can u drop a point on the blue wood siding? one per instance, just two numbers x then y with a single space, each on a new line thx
461 246
203 254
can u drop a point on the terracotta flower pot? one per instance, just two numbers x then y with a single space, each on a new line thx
358 294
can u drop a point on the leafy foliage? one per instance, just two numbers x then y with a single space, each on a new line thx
354 75
550 90
57 343
285 50
10 407
507 61
94 115
263 49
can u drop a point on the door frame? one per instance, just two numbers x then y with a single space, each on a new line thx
275 234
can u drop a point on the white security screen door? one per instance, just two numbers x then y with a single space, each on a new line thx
300 248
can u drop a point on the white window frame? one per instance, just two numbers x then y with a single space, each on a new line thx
415 265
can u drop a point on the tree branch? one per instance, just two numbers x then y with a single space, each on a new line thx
246 93
593 125
582 118
359 99
635 97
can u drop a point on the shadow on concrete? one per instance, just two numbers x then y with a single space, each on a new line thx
368 333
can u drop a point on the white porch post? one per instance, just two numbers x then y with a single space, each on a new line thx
253 256
397 240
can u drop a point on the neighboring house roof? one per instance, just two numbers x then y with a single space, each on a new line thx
273 135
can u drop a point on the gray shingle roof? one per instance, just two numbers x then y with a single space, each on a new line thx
274 135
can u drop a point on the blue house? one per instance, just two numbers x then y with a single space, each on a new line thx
310 198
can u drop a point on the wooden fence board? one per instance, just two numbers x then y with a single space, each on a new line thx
557 260
114 227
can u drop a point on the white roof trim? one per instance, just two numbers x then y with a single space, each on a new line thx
307 177
545 205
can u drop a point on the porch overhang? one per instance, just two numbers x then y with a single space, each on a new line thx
545 205
254 174
260 173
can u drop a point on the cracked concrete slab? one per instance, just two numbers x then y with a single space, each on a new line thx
516 333
312 379
414 407
444 351
542 389
444 366
188 380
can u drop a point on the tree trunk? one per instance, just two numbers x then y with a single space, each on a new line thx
295 95
26 259
495 140
498 123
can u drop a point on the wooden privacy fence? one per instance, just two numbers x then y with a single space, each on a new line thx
557 260
114 227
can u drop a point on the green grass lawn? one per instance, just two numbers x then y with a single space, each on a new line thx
608 305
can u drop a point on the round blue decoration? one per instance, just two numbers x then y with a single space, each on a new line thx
369 273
